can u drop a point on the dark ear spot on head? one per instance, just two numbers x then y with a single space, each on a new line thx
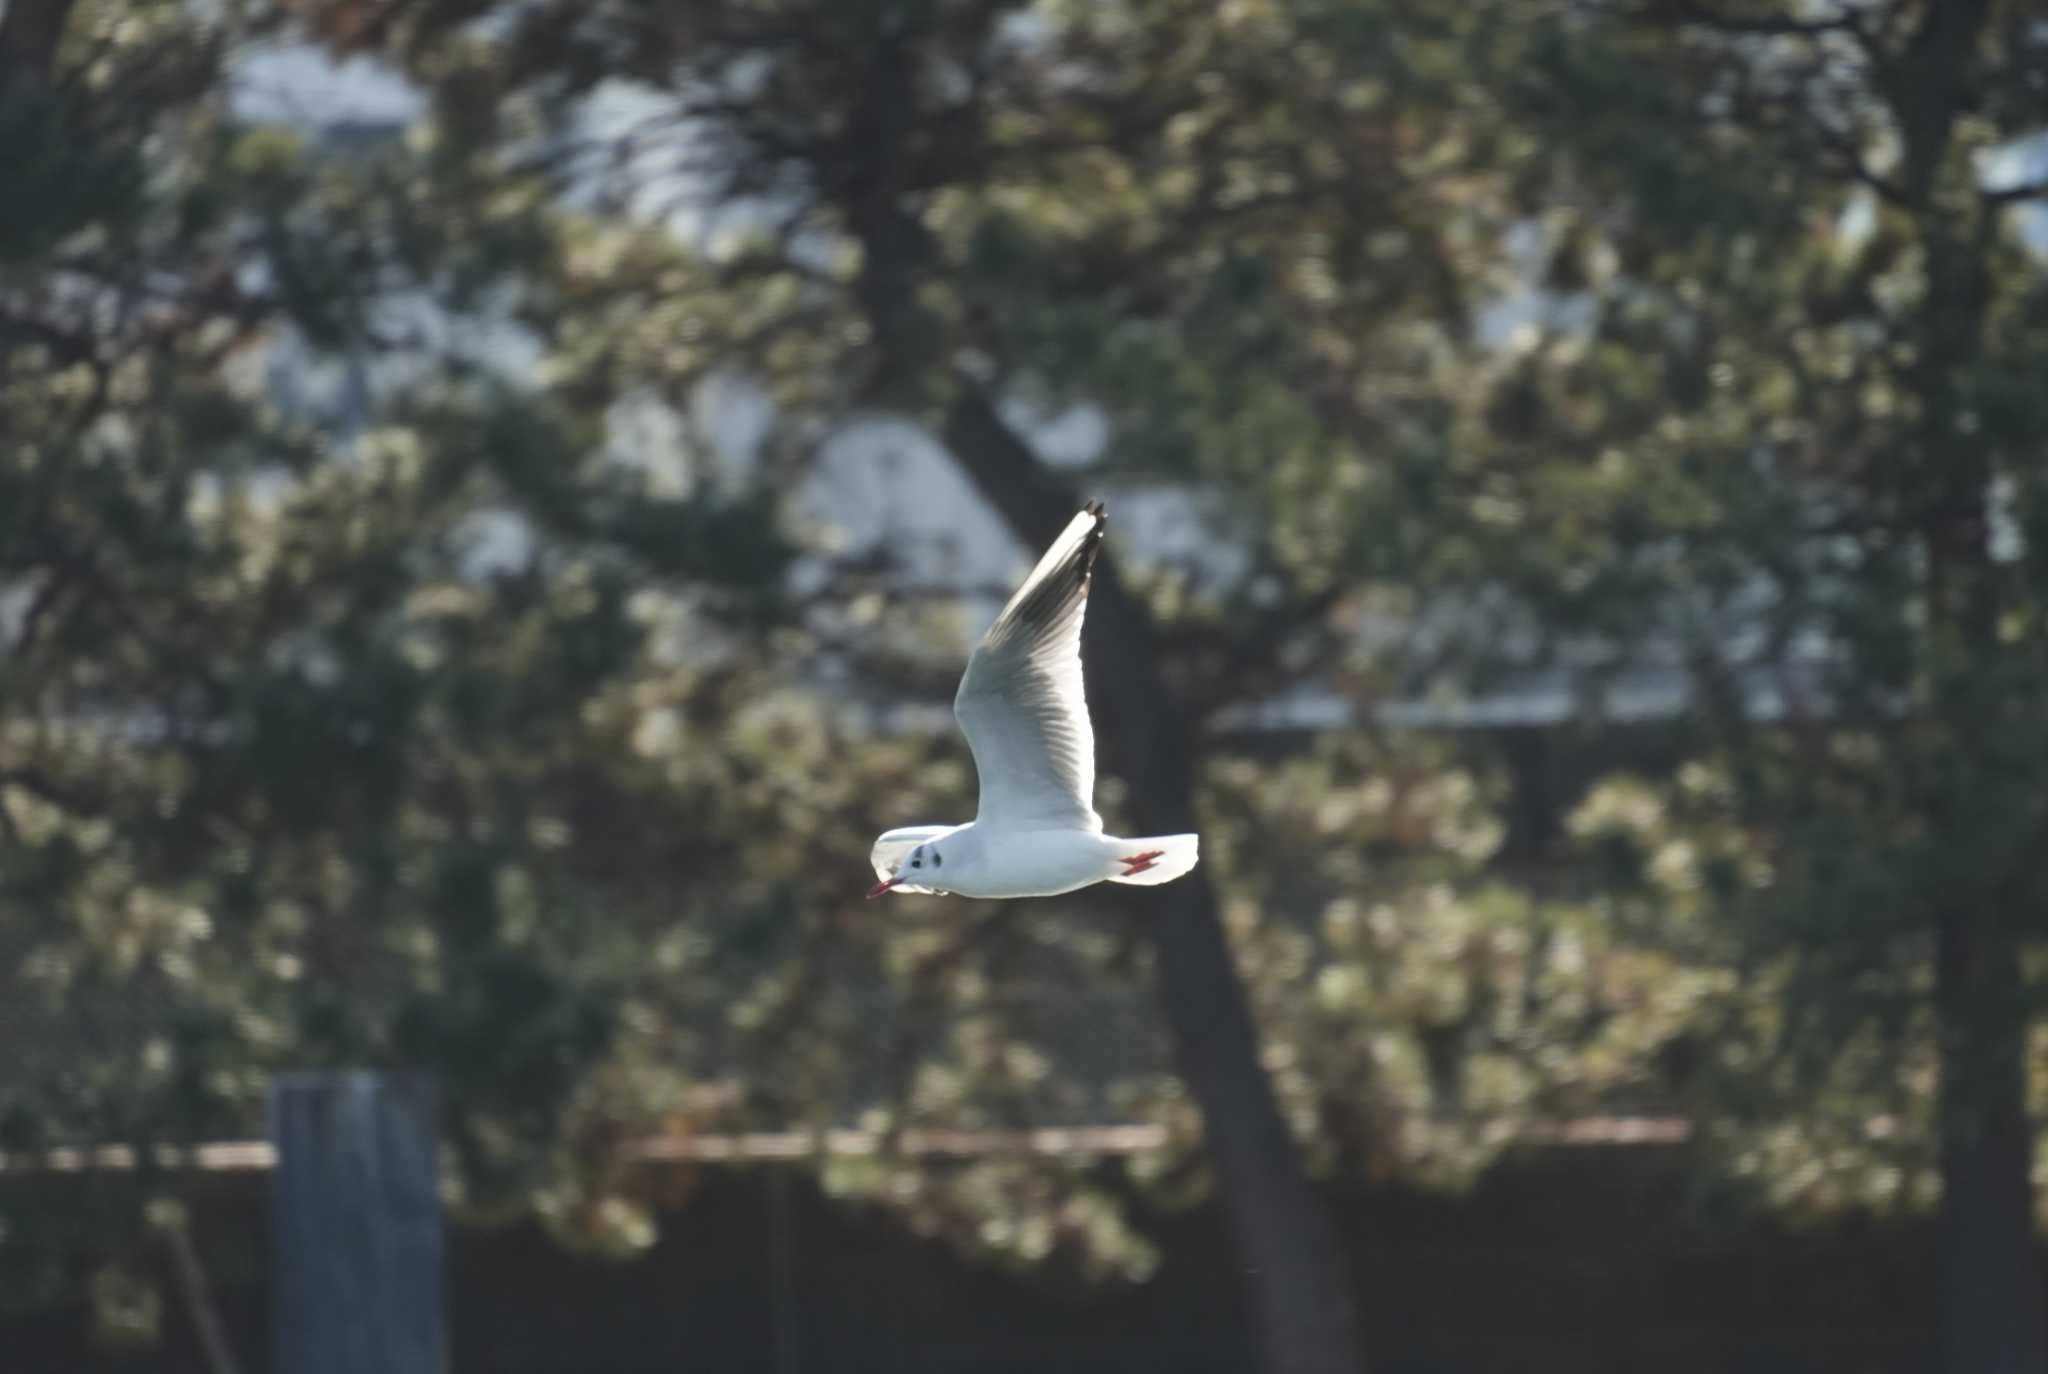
938 859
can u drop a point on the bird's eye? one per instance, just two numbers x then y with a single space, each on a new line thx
917 863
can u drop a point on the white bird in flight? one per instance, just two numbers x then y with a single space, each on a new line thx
1024 713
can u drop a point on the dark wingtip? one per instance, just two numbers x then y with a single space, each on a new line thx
1094 544
1061 588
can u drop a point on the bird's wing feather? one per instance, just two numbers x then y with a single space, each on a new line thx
895 845
1021 702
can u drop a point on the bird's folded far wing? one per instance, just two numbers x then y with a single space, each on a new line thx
1021 702
895 845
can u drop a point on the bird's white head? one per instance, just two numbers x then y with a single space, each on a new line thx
916 867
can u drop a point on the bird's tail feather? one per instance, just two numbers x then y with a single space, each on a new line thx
1176 855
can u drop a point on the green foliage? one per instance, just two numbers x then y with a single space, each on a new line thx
1421 1013
304 748
402 723
1806 480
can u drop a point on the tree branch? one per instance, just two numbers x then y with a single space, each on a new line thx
1847 20
2014 195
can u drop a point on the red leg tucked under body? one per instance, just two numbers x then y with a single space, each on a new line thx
1138 863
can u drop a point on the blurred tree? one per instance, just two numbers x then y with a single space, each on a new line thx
304 749
1779 428
1259 241
427 730
1243 232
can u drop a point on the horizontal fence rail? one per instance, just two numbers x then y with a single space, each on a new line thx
259 1156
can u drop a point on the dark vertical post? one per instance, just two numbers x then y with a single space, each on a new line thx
782 1259
356 1252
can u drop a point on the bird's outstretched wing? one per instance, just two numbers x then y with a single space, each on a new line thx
1021 702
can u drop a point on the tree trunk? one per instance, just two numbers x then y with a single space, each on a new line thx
1989 1289
1295 1276
1299 1296
30 31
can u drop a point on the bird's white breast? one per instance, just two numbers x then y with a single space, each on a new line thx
1031 863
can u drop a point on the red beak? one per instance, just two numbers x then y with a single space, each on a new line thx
879 888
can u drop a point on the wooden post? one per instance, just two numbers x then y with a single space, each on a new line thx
356 1250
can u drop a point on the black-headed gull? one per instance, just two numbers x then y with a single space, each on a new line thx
1024 713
